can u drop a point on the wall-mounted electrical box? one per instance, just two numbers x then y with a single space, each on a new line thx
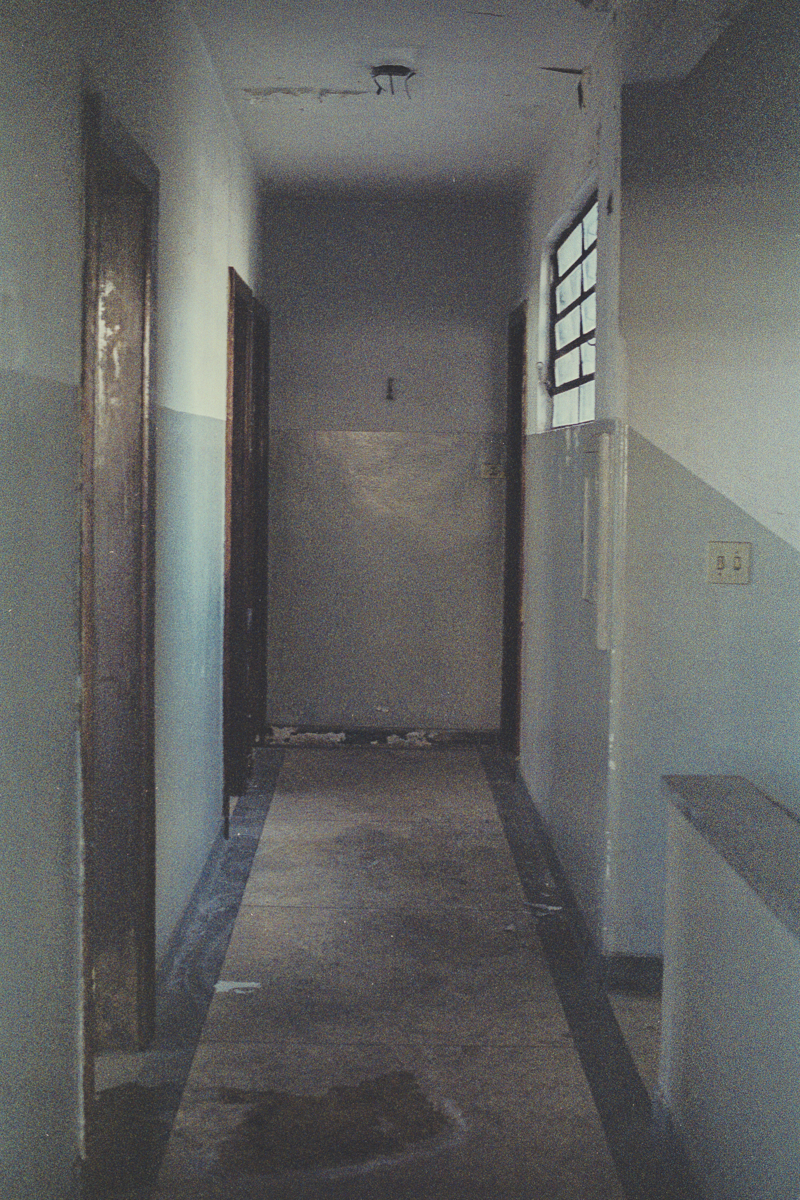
729 562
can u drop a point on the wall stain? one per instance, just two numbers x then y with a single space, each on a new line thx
348 1125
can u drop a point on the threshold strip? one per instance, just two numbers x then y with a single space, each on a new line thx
647 1153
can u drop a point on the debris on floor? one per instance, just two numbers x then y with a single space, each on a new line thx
292 736
235 987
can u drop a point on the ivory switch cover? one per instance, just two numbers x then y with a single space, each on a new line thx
729 562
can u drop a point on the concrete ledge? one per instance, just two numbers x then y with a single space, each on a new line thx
730 1048
754 834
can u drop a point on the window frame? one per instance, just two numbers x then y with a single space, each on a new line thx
554 353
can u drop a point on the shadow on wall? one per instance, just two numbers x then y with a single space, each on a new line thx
364 287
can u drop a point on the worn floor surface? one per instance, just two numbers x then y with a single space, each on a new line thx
639 1018
385 1023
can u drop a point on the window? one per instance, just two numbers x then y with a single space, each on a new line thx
573 319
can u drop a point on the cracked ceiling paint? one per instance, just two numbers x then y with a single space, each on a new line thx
299 79
486 84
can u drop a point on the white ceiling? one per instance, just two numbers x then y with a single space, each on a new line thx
297 74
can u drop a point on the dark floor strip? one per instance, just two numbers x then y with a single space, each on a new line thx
649 1159
193 961
132 1123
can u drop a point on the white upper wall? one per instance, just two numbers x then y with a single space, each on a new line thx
643 40
40 200
710 301
152 70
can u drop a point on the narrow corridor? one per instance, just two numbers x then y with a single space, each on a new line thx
389 1018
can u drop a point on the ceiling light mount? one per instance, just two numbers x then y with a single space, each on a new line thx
386 74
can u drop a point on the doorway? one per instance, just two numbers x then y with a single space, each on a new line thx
246 481
117 558
510 697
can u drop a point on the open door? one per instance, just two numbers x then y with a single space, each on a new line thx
247 449
117 591
510 700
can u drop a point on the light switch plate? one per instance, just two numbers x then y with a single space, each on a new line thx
729 562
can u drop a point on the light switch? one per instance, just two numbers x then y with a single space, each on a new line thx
729 562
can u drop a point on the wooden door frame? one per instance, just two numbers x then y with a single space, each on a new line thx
513 554
105 139
258 673
246 450
239 407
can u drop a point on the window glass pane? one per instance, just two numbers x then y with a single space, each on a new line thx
568 328
569 289
587 358
568 367
569 251
590 226
566 407
589 270
589 313
586 405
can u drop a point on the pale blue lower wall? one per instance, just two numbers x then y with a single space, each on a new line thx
190 498
39 561
704 678
709 674
564 736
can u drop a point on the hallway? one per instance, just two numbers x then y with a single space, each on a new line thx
386 1021
391 237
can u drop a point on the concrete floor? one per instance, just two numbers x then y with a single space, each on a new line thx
385 1024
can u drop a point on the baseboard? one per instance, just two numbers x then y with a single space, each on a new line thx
633 974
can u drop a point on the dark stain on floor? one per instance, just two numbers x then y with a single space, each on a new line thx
128 1129
346 1126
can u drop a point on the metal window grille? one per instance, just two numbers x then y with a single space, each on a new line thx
573 319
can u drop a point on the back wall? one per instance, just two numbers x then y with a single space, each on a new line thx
386 498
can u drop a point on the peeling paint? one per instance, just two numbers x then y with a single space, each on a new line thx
255 94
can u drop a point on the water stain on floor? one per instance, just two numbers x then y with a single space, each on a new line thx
347 1125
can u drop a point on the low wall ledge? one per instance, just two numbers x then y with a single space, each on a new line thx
755 835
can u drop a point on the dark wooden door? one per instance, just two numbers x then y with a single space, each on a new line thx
117 589
244 683
510 702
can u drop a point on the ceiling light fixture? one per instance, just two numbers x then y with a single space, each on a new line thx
387 73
